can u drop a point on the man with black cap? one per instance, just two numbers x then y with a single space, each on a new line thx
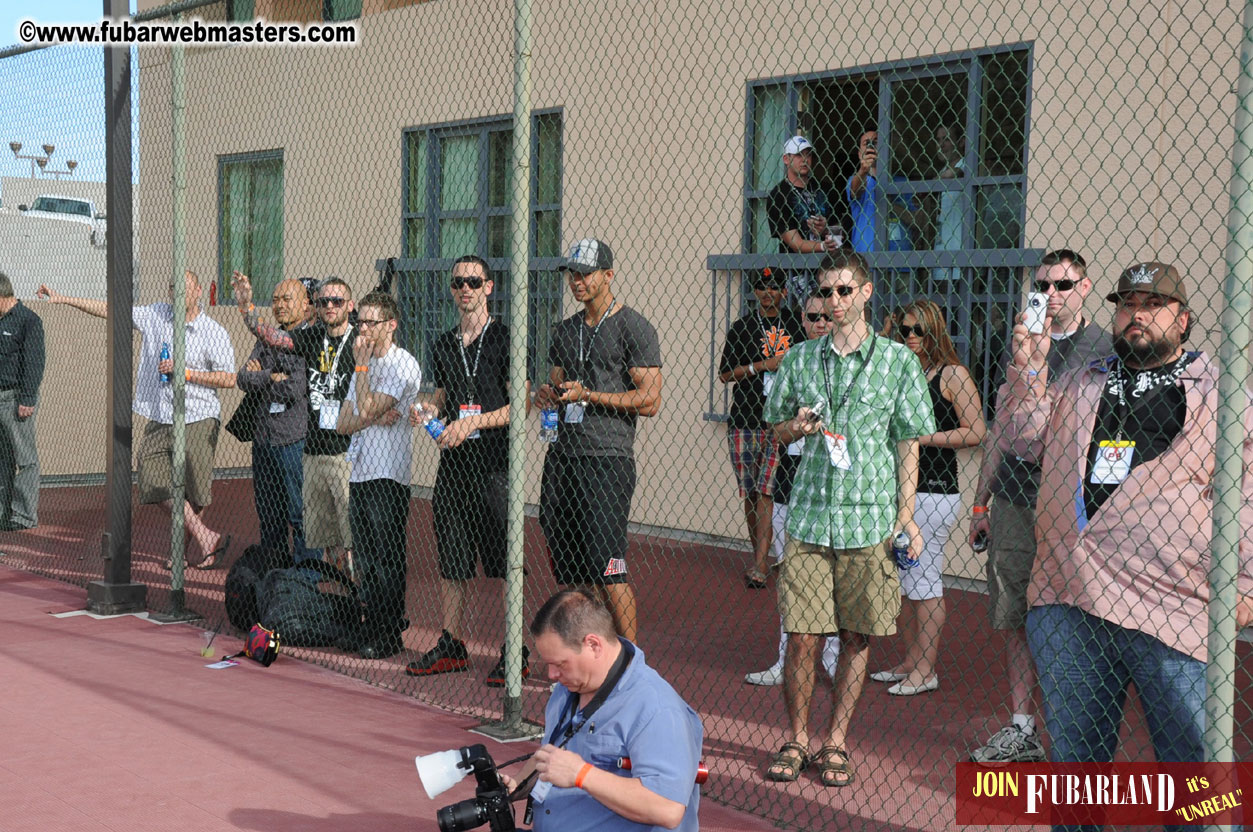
755 345
606 372
1119 589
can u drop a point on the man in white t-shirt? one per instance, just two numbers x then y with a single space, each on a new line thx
384 385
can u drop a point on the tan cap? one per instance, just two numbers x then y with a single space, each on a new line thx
1153 277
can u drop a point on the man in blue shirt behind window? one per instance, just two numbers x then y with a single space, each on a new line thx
606 705
904 212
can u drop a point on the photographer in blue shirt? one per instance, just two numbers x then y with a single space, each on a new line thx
607 705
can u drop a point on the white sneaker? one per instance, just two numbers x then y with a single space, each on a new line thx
887 676
1011 744
766 678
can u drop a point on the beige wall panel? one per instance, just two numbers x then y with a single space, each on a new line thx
1129 152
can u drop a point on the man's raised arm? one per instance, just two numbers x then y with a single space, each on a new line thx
272 335
98 308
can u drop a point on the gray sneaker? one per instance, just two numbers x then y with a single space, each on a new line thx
1011 744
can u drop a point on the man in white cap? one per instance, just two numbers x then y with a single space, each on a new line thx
798 209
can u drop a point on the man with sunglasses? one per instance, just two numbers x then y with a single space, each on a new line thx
1011 476
384 385
210 366
606 373
470 368
859 402
327 352
755 345
1119 592
817 323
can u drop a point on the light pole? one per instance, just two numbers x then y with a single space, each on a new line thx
69 168
42 161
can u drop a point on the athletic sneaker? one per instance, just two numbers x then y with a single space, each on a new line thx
1011 744
496 679
448 656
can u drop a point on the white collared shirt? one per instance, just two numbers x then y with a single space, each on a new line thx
208 348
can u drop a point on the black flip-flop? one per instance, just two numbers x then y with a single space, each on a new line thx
211 560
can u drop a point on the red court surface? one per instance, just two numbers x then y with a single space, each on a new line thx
115 724
194 743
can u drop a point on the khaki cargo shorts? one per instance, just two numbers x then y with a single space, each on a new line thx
823 591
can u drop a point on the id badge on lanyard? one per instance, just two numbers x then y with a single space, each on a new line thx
468 410
837 450
1113 462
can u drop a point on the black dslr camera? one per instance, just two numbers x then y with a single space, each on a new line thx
490 803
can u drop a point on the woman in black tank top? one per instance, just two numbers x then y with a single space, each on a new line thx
920 326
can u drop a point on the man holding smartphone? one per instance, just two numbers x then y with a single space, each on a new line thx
800 213
1007 474
606 373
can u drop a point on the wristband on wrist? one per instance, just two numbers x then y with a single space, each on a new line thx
578 778
187 375
587 396
363 368
752 369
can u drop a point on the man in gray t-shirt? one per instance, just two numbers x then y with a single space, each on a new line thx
606 372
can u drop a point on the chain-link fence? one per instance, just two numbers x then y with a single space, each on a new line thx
722 204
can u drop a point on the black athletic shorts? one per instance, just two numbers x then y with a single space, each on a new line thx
585 502
469 507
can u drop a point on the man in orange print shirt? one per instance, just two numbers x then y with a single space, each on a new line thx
755 345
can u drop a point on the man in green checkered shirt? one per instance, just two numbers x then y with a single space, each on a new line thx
853 492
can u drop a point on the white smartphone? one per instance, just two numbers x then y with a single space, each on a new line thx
1037 311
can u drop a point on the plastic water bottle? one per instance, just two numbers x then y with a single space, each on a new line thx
165 356
548 424
900 551
434 426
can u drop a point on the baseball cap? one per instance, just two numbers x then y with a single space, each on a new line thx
768 277
1153 277
588 255
311 286
796 144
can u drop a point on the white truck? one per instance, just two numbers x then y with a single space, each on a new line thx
70 209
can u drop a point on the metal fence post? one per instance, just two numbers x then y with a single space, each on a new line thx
1232 401
520 300
117 593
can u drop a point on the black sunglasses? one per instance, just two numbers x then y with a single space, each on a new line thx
828 291
336 302
916 329
1042 286
815 317
472 282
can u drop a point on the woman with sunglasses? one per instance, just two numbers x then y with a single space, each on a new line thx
959 422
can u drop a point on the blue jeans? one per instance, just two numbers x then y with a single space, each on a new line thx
277 477
1085 665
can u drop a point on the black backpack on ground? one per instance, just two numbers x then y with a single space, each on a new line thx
244 579
290 603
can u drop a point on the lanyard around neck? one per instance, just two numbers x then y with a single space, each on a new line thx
478 353
848 391
590 341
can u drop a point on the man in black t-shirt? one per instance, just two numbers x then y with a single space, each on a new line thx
470 365
606 372
799 212
755 345
327 351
